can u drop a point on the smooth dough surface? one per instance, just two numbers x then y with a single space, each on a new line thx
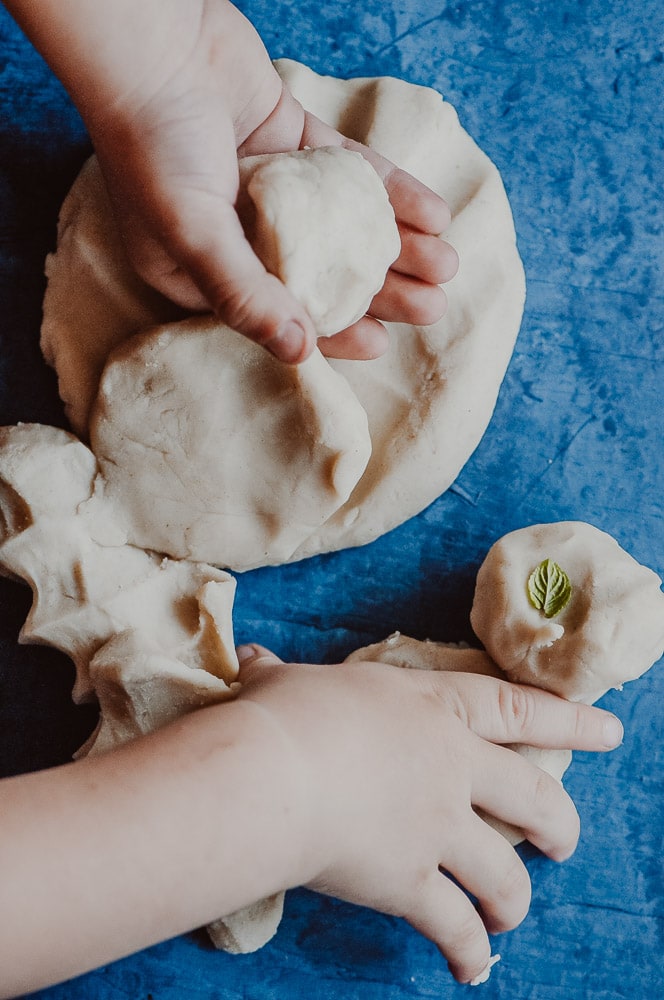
610 632
322 222
212 450
427 401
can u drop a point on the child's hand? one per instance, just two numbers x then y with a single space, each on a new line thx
397 761
168 112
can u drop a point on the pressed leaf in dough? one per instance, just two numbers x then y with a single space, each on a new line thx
610 632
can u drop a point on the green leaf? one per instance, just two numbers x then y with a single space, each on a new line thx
549 589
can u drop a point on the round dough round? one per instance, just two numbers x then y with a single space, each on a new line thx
212 450
610 631
428 400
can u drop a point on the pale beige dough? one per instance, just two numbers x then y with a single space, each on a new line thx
427 401
88 585
610 632
212 450
322 222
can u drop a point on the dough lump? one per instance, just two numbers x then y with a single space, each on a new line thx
427 401
322 222
610 632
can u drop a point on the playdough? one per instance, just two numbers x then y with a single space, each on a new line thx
205 450
424 405
152 638
214 451
610 631
320 219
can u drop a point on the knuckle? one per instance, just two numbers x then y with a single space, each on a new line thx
236 306
517 708
468 936
511 899
544 792
581 723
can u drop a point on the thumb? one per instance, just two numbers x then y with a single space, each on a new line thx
176 208
215 252
253 659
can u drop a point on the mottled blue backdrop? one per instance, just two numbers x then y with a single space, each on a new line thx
567 97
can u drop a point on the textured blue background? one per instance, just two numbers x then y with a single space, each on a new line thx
567 98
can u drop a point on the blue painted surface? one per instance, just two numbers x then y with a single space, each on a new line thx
567 98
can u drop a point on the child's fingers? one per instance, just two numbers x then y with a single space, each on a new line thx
253 659
426 257
511 789
502 712
445 915
414 204
235 283
403 299
489 868
363 341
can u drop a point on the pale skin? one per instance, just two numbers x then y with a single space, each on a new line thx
300 780
172 91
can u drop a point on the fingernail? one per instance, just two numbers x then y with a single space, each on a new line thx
289 343
613 732
245 653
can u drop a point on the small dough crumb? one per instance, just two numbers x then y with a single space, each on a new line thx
485 973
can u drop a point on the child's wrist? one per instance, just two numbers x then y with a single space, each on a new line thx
282 774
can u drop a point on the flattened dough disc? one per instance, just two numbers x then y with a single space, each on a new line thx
214 451
430 398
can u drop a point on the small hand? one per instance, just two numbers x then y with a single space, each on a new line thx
168 146
398 761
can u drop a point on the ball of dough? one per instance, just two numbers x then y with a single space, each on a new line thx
214 451
322 222
610 631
